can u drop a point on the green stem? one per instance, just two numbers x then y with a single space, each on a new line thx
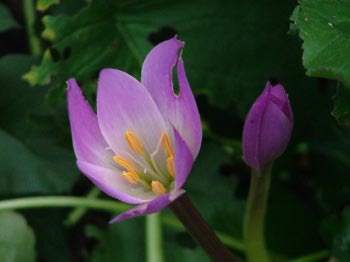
63 201
75 215
154 238
29 15
97 204
117 207
253 229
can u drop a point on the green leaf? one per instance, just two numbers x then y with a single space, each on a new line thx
294 29
36 155
324 27
179 246
83 36
329 147
43 5
41 75
52 237
16 239
341 110
121 242
119 35
291 223
6 22
23 171
337 233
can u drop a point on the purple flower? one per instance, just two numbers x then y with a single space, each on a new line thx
141 145
267 127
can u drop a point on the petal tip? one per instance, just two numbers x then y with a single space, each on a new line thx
173 42
278 85
106 71
72 83
179 42
73 90
110 74
268 86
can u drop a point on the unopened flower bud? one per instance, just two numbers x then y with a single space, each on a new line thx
267 127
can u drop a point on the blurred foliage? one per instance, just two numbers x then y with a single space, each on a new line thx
52 239
126 31
43 5
341 110
7 22
127 235
232 49
336 231
31 134
16 238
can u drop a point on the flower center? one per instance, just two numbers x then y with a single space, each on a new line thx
155 172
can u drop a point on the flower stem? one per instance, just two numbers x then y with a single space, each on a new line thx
253 229
154 240
29 15
75 215
198 228
229 241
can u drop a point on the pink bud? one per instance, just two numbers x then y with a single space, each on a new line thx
267 127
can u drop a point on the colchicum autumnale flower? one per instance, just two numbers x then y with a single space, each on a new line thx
141 145
267 128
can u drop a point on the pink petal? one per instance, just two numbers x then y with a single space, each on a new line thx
275 133
124 104
276 90
183 160
251 134
151 207
279 96
88 142
181 111
111 182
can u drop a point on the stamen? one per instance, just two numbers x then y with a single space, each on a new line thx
131 177
125 163
170 165
166 145
158 188
134 142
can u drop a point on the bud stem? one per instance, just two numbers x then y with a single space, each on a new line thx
201 232
154 238
253 229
